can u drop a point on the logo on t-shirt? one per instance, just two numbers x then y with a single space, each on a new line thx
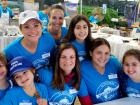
108 90
132 92
62 98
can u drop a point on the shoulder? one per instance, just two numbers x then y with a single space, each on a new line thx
45 71
115 63
84 62
15 42
84 65
9 9
14 90
46 35
114 60
12 46
64 29
45 75
40 86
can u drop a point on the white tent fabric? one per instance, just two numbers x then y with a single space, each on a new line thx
72 1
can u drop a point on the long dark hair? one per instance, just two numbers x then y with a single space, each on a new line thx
70 34
58 74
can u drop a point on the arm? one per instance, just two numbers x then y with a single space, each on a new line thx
42 101
85 100
83 94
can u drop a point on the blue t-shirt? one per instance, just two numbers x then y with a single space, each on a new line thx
64 31
132 88
104 87
17 96
39 58
5 11
66 96
138 30
92 19
3 91
81 48
45 75
61 97
44 18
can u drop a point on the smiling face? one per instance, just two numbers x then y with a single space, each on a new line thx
56 19
81 30
31 30
24 78
100 56
3 71
67 60
131 67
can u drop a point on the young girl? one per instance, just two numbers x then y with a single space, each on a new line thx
66 81
4 83
131 67
101 72
79 34
27 91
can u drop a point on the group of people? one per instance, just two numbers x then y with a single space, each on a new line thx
56 65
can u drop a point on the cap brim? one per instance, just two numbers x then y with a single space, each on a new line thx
29 18
19 70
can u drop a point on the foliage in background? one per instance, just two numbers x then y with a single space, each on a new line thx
111 13
86 10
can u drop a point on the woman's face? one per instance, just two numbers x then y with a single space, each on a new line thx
3 71
32 30
131 67
81 30
67 60
100 56
56 19
24 78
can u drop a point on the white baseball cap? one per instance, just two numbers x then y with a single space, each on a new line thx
27 15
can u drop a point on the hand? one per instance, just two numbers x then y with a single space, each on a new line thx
41 101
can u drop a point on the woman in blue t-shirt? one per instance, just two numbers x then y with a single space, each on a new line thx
34 44
66 82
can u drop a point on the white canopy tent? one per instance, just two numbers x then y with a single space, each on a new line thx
76 1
